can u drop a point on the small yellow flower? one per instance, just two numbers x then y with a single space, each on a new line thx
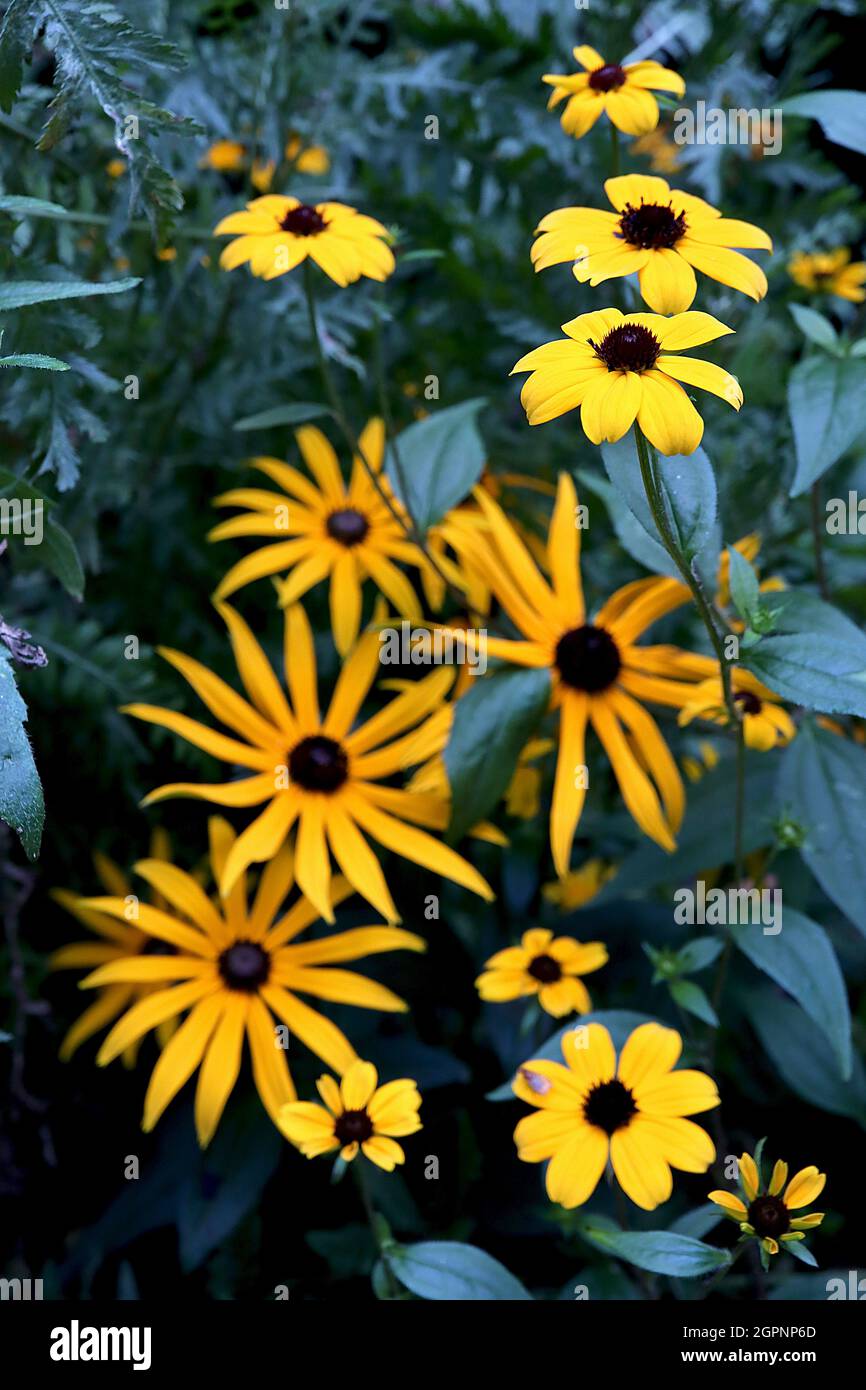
830 272
695 767
621 368
546 966
766 1214
579 886
225 156
167 253
357 1115
662 152
115 168
313 159
623 92
277 233
765 723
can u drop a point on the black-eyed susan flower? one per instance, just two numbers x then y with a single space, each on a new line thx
236 967
663 154
592 1110
317 775
225 157
579 886
276 233
305 159
830 272
658 233
766 1214
324 529
546 966
359 1115
599 672
766 724
624 367
117 940
624 92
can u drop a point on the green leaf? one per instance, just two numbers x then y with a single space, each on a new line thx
34 359
803 1057
814 656
801 959
294 414
450 1271
698 954
441 459
824 396
492 723
692 998
620 1023
822 784
698 1222
688 487
630 533
15 36
17 294
21 802
816 327
61 557
661 1252
800 1251
841 115
35 207
744 585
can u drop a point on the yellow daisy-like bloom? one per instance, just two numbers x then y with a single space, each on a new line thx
830 272
706 758
319 773
116 168
623 92
766 724
324 529
579 886
225 156
592 1110
599 672
120 941
658 233
236 967
313 159
622 367
359 1115
546 966
767 1216
276 233
662 152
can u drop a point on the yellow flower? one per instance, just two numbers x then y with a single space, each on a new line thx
523 794
320 774
621 368
706 759
119 941
599 673
767 1217
115 168
578 886
234 968
325 530
592 1110
765 724
277 233
830 272
357 1115
313 159
545 966
658 233
623 92
225 156
662 152
167 253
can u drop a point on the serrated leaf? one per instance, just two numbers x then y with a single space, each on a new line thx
34 359
18 294
814 656
21 802
744 587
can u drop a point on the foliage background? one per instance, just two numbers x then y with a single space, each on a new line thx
133 481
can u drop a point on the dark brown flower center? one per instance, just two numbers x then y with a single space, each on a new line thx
587 658
353 1127
749 702
545 969
769 1216
609 1106
245 966
347 526
628 348
318 764
652 226
608 78
303 221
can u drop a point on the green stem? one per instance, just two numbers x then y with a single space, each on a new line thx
818 540
614 149
725 1269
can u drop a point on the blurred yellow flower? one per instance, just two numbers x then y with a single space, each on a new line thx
765 723
663 153
578 886
830 272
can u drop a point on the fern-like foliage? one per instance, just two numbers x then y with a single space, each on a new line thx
96 53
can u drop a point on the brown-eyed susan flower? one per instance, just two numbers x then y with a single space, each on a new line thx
276 233
546 966
579 886
323 528
116 940
765 723
766 1214
658 233
624 92
359 1115
592 1110
830 272
600 673
323 777
621 368
663 154
235 968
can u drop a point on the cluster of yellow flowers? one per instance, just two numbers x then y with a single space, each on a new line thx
209 970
